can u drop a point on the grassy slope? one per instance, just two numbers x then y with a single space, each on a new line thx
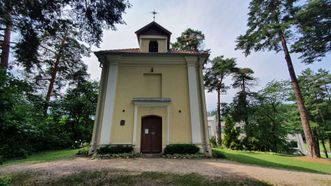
45 156
277 161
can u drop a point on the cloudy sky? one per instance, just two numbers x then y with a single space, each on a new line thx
222 21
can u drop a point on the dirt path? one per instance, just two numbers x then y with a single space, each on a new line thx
219 168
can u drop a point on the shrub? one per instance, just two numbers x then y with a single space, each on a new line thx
5 180
118 156
185 156
84 149
218 154
181 149
213 141
115 149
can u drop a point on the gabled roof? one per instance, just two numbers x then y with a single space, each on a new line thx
152 29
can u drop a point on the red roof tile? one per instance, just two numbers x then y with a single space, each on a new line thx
137 50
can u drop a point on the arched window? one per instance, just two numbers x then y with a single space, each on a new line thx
153 46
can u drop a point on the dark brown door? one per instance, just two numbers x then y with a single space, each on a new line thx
151 134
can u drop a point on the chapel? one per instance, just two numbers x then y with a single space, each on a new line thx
151 96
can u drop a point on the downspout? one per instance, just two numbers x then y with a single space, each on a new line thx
99 109
202 109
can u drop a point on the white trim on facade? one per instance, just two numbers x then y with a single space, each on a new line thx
193 97
109 104
168 125
135 123
146 103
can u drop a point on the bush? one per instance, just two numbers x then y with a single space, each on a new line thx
84 149
185 156
181 149
5 180
216 153
118 156
213 141
115 149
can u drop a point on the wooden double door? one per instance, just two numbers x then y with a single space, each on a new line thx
151 134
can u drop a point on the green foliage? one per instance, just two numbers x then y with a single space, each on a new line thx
314 23
316 90
33 19
213 141
126 155
84 149
231 134
5 180
190 39
215 74
217 153
181 149
115 149
25 128
268 116
242 79
266 18
214 80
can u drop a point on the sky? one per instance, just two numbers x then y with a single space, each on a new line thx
222 21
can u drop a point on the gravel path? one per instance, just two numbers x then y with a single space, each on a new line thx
218 168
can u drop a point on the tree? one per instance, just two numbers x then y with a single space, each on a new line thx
31 19
269 117
214 80
314 23
315 91
77 107
231 134
190 39
269 28
60 61
243 79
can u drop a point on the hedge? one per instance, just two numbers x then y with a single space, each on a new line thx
181 149
115 149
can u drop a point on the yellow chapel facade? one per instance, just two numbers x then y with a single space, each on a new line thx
151 96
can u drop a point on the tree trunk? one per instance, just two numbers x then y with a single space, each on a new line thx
324 148
219 116
6 46
302 110
330 144
316 136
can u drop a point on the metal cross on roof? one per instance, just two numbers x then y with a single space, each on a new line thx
154 13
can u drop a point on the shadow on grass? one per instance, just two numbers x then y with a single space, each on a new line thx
241 158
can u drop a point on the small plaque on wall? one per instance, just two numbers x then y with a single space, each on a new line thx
122 123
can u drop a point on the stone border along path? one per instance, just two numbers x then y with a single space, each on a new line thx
214 168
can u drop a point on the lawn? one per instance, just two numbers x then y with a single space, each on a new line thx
275 160
45 156
123 178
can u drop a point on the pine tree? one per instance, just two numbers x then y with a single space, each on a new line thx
190 39
269 28
214 80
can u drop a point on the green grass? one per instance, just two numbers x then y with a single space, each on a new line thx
45 156
275 160
127 178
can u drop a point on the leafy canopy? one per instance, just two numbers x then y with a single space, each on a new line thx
190 39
